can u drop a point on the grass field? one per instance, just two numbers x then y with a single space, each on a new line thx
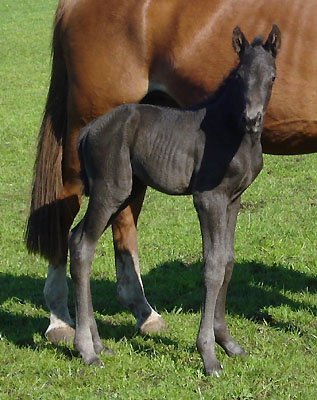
272 301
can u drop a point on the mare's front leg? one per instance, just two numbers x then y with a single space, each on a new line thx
223 338
212 212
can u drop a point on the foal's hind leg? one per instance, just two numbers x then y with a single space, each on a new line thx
222 335
82 246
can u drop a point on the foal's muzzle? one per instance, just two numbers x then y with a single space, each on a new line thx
252 123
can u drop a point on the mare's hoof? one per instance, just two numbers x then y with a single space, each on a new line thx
61 334
154 324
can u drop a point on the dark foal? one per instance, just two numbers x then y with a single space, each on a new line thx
212 151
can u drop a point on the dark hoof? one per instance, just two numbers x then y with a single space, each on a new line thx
101 348
216 372
108 352
156 324
236 351
62 334
95 362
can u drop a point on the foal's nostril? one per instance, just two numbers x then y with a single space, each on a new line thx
259 117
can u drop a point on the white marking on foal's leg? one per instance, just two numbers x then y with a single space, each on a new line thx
56 297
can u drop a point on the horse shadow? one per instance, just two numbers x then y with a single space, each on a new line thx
254 287
170 286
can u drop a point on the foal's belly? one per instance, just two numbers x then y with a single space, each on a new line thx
166 179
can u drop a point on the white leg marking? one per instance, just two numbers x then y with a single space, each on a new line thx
56 296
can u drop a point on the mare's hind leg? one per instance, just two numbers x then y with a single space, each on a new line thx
56 289
56 297
222 335
129 283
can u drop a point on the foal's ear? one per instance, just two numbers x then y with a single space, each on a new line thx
273 43
239 42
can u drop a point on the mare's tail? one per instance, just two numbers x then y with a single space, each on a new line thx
43 231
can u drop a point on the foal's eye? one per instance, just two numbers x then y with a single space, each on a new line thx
273 78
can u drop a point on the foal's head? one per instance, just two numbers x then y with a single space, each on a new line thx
256 73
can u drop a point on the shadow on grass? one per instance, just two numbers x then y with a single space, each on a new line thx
171 286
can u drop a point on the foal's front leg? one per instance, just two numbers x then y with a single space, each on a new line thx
211 209
223 338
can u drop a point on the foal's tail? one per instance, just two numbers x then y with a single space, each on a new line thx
43 231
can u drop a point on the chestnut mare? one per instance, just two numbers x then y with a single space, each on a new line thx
106 53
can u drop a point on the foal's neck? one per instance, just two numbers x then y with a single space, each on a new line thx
224 111
231 103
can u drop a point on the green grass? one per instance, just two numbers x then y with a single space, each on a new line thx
272 301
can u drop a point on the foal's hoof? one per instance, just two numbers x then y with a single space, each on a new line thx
108 352
62 334
235 351
95 362
153 324
101 348
216 372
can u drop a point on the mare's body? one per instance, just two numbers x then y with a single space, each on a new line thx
212 151
109 52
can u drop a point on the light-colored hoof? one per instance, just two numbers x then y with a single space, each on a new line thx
154 324
61 334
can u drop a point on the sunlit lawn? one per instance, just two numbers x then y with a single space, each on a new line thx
272 301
